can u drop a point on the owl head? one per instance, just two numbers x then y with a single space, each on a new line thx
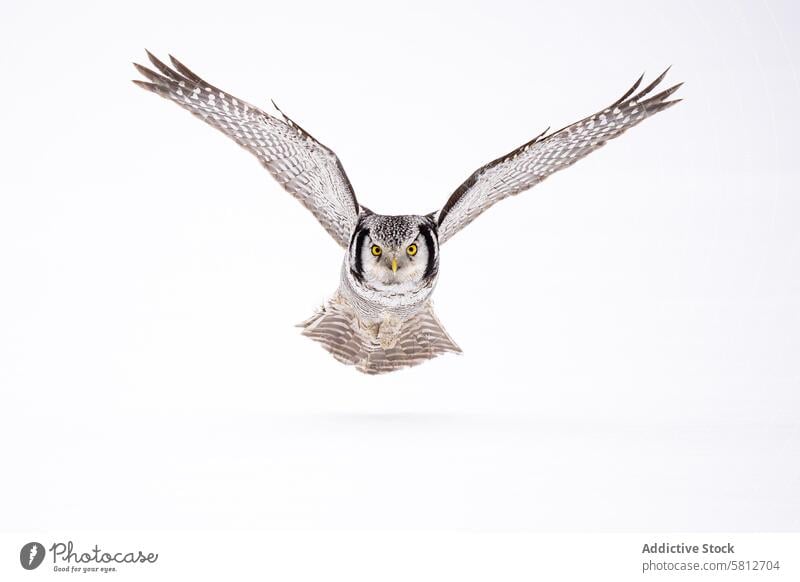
391 250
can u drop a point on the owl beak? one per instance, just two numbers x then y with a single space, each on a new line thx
394 265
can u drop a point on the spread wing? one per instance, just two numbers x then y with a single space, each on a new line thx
303 166
534 161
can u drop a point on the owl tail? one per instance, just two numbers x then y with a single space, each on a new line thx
417 339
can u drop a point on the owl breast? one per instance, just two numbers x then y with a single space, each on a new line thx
374 303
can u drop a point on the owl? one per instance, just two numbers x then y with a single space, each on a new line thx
381 318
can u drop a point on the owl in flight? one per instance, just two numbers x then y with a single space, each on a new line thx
381 318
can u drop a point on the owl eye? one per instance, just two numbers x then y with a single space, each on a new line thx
376 251
411 250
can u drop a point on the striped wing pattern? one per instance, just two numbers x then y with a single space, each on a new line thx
304 167
421 338
534 161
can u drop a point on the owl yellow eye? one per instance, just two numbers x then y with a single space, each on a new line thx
411 250
376 251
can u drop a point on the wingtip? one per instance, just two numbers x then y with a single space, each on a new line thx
186 72
152 58
653 84
671 90
661 76
175 62
144 85
630 91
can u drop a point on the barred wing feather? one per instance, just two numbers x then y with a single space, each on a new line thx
304 167
545 154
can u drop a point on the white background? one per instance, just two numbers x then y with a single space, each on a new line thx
630 327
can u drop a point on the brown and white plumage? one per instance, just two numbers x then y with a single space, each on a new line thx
381 318
305 168
532 162
338 328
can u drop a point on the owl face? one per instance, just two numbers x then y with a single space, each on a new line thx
393 250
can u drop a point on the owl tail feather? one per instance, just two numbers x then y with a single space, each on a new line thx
412 341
